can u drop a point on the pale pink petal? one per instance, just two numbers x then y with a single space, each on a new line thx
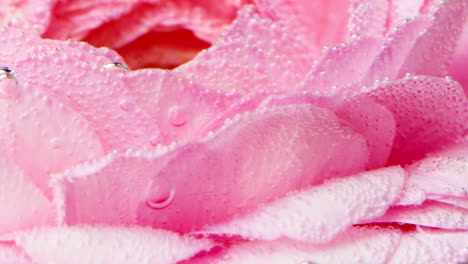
461 202
181 108
395 49
439 39
254 54
368 118
374 122
254 159
423 124
357 245
40 134
318 214
430 214
403 9
369 18
93 90
117 245
12 255
30 15
341 65
22 205
432 246
459 64
108 190
320 22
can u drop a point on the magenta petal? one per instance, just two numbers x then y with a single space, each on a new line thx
356 245
320 213
255 54
117 245
432 246
439 38
22 205
423 124
42 135
181 109
254 159
430 214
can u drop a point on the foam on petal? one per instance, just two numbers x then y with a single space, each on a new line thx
105 244
319 213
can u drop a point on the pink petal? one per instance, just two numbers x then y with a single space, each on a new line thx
356 245
318 214
115 245
423 124
30 15
12 255
181 109
403 9
108 190
439 38
320 22
255 54
94 91
369 18
430 214
254 159
341 65
22 204
432 246
395 49
40 134
459 64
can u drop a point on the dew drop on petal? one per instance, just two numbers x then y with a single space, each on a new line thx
126 105
155 139
8 84
178 115
54 143
160 193
115 65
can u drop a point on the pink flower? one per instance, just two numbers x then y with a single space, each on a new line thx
303 134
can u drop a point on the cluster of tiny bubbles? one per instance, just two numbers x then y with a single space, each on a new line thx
8 83
116 65
160 193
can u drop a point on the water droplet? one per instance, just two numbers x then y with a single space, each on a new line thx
126 105
160 193
116 65
178 115
55 143
155 139
8 83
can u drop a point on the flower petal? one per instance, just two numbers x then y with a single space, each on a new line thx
319 213
42 135
22 205
423 125
254 54
430 214
459 64
12 255
369 18
439 38
432 246
181 109
254 159
92 90
30 15
356 245
118 245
